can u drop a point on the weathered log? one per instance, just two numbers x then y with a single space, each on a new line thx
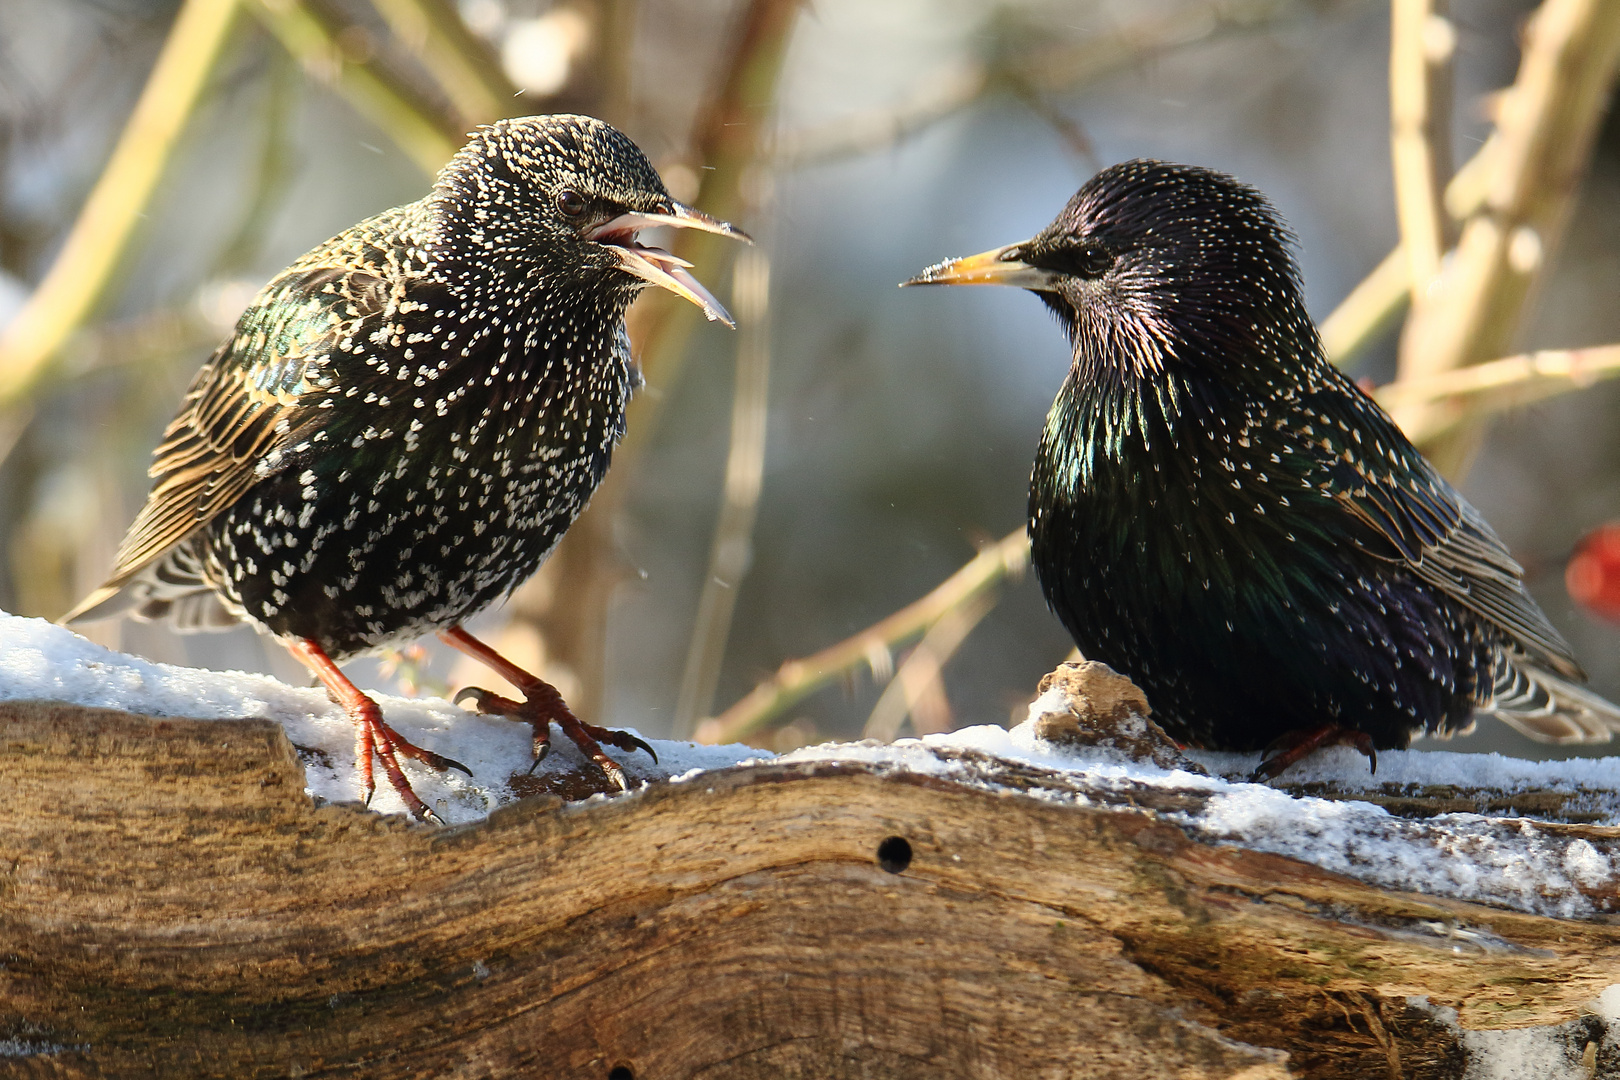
172 904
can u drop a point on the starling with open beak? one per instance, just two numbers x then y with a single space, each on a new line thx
1216 511
408 418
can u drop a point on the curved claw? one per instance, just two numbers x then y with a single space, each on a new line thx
621 739
641 745
615 774
477 694
541 752
441 763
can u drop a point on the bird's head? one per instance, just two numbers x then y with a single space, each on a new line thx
568 194
1152 265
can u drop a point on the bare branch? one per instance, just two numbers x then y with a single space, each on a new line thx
745 469
1546 123
102 232
918 688
1483 390
313 39
1371 306
461 63
1041 71
1422 41
1374 303
797 679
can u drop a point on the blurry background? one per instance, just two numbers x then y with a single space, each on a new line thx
888 435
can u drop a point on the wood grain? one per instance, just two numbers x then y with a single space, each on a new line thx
172 904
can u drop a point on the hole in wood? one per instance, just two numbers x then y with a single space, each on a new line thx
894 854
621 1072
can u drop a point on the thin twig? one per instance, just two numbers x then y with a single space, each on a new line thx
732 549
101 234
797 679
464 66
1486 389
306 32
586 567
918 688
1045 70
1546 123
1421 44
1377 300
1068 130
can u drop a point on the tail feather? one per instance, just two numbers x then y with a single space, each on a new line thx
172 588
1548 707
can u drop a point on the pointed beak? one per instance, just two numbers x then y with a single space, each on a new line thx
1001 266
657 266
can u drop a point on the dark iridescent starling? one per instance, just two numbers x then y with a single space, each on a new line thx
408 419
1219 513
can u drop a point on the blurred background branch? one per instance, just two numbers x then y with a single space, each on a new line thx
732 549
342 55
80 273
588 567
878 141
1033 72
1546 123
797 679
1482 390
464 65
1422 41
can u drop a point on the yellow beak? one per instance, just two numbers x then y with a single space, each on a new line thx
1000 266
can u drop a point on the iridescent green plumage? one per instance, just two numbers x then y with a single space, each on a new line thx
1219 513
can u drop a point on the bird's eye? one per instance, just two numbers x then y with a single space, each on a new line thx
570 202
1092 262
1073 260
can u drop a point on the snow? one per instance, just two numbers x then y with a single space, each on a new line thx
1347 769
1510 862
43 661
1551 1052
1505 861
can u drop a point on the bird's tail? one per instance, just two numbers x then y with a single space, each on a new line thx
1548 707
171 588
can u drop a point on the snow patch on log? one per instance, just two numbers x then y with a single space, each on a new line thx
1517 863
44 662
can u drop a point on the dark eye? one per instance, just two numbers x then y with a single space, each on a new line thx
1075 260
570 202
1087 261
1092 262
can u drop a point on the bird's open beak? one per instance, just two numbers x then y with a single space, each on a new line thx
659 267
1001 266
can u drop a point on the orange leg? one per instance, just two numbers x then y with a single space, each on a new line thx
371 735
542 706
1298 745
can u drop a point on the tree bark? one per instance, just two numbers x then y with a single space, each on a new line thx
172 904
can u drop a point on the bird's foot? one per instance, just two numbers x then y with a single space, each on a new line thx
544 706
373 738
1295 746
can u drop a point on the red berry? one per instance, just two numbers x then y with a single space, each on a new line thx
1593 574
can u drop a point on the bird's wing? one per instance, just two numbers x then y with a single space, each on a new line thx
249 412
1400 509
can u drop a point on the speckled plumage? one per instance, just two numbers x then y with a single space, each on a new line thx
408 418
1216 511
